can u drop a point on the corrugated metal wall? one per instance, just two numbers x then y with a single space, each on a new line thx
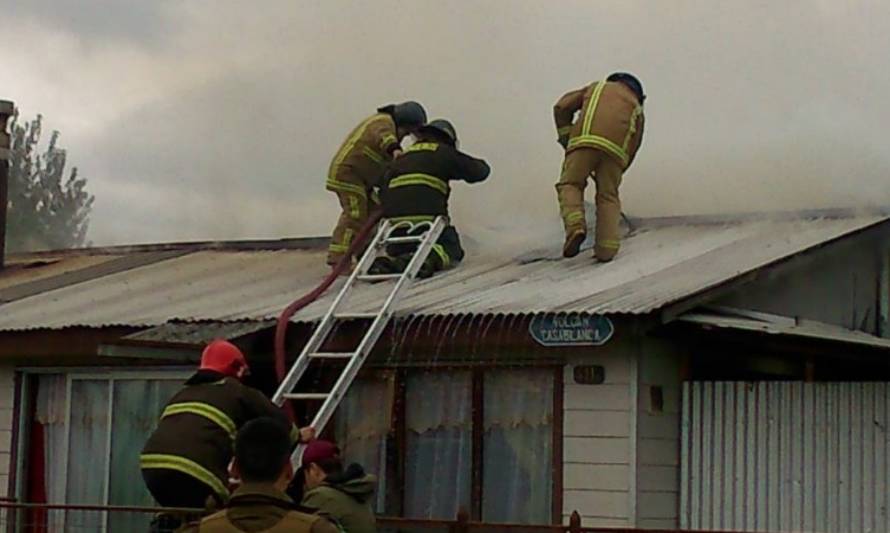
774 456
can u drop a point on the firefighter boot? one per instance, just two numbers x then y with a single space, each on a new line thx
388 265
572 245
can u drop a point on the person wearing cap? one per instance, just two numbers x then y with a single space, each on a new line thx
359 165
262 462
185 460
416 190
602 142
324 486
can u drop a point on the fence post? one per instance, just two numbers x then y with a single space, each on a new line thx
575 523
461 524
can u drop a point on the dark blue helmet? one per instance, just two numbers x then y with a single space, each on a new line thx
406 114
442 127
631 82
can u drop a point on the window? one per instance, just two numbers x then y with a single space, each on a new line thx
518 447
439 436
442 440
362 433
87 432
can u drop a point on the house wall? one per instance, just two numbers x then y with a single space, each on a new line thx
597 433
658 431
842 288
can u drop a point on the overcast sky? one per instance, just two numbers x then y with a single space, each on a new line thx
218 119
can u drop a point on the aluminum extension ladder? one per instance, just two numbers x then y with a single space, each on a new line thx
380 318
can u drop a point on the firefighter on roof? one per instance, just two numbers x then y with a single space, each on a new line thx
603 141
185 460
416 189
359 165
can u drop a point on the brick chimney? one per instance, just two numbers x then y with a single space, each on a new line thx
6 109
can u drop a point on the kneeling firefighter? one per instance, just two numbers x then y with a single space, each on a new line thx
185 460
359 165
416 189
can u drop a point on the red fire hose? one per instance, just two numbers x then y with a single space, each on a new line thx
284 318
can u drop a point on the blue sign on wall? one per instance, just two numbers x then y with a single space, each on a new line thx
571 330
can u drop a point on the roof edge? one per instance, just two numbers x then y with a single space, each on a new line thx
671 311
747 216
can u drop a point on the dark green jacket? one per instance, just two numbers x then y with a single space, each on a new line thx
347 499
260 508
419 181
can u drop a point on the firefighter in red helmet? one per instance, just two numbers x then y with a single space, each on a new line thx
185 460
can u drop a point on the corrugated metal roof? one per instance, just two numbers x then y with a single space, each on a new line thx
786 326
20 271
657 266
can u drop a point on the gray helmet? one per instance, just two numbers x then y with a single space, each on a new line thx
406 114
630 81
441 127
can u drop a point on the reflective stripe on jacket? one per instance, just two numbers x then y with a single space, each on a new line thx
197 428
362 158
611 120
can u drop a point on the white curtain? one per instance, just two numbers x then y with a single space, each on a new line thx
361 428
50 413
517 447
439 442
88 450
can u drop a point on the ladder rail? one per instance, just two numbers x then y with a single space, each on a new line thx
369 340
375 330
328 320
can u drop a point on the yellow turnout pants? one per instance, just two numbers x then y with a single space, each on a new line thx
354 205
579 164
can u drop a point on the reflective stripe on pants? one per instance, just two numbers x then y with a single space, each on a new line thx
352 218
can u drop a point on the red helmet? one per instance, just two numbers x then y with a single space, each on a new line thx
223 357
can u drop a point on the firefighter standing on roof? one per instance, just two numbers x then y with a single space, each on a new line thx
416 189
359 165
186 459
603 141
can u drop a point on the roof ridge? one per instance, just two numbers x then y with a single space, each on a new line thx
294 243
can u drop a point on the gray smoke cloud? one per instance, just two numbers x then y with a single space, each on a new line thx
218 119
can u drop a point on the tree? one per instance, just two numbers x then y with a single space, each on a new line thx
46 210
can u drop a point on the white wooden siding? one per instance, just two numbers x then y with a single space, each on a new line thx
597 440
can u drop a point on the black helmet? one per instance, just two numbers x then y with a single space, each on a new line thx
405 114
441 127
631 81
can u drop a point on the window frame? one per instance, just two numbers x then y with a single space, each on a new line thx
396 442
109 376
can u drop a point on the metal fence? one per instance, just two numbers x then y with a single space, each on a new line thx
786 456
49 518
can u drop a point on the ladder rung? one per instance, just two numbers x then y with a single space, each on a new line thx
400 240
331 355
351 316
306 395
378 277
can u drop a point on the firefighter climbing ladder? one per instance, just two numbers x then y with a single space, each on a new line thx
379 318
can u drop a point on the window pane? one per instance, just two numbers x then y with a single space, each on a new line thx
137 406
87 453
361 428
517 447
439 442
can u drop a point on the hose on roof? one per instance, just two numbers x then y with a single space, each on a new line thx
308 298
